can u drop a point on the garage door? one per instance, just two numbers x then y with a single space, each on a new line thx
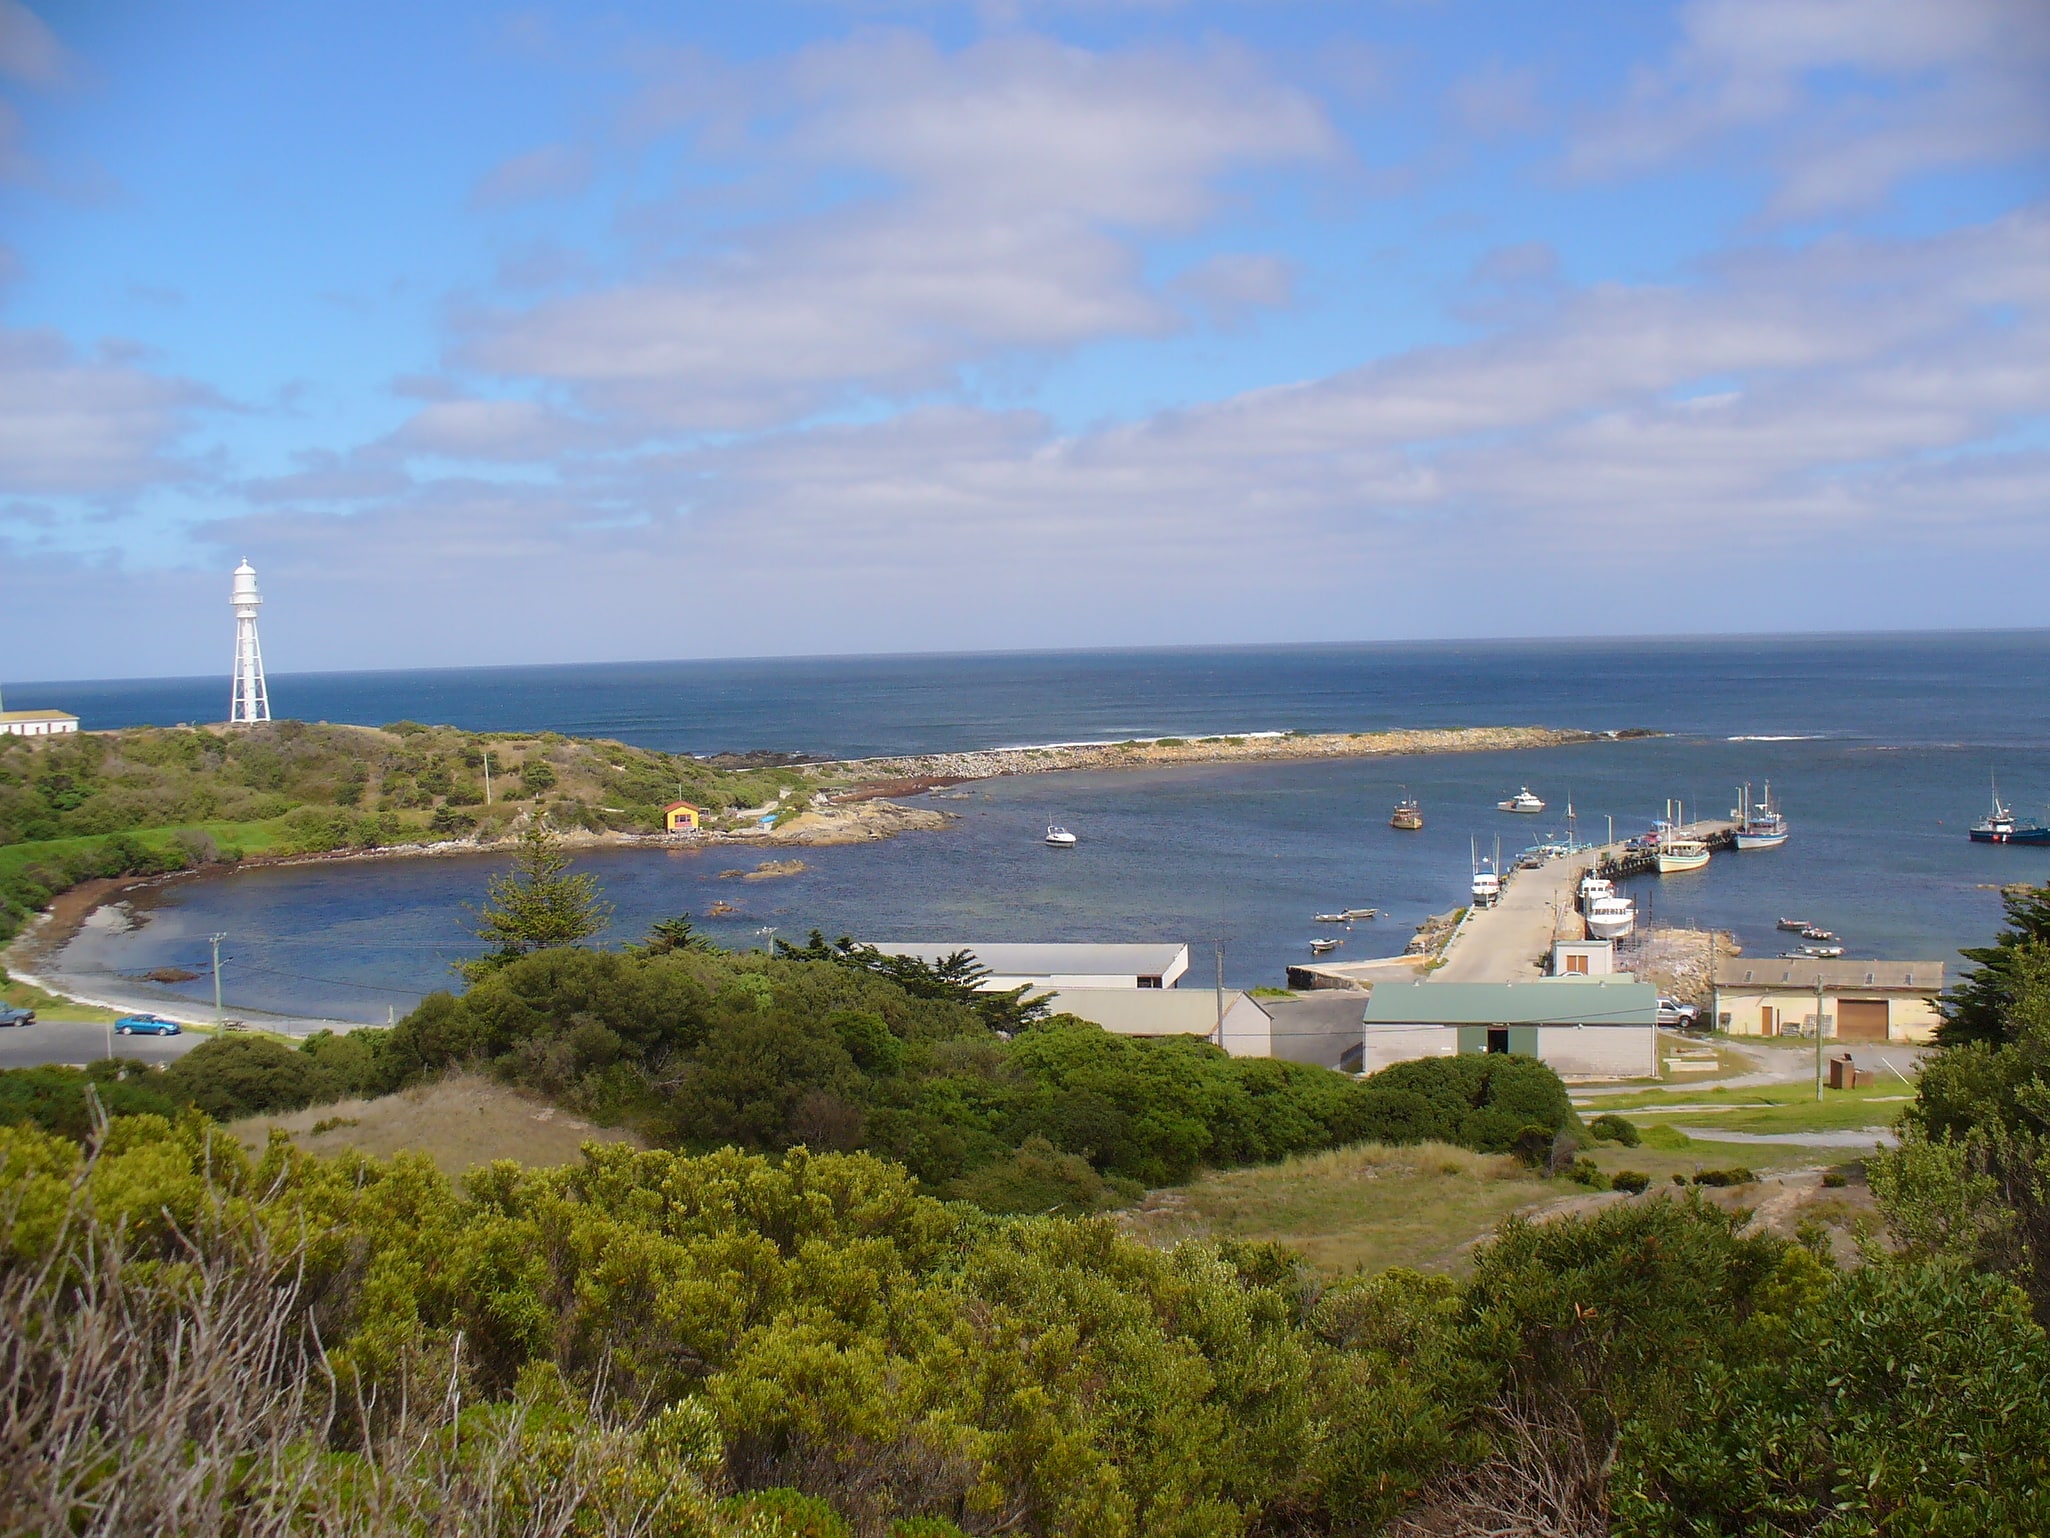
1861 1019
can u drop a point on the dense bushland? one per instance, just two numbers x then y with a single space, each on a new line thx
652 1342
700 1049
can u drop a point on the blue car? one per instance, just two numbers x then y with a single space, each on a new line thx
146 1025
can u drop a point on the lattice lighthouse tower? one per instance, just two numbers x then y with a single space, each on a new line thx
251 702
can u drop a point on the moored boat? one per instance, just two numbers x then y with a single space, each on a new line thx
1522 801
1760 826
1611 917
1794 926
2001 826
1060 837
1408 814
1678 854
1324 947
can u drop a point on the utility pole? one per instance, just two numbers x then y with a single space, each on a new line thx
1220 988
215 941
1818 1033
487 776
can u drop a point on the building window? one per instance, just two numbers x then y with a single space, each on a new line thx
1576 963
1498 1039
1149 982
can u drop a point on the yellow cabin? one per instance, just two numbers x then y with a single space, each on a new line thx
680 817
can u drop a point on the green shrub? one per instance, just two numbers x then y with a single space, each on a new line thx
1039 1178
1633 1181
1736 1175
1587 1173
1611 1128
234 1076
1835 1180
59 1099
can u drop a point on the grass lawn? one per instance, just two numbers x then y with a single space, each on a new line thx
1359 1208
249 837
1761 1109
458 1122
48 1006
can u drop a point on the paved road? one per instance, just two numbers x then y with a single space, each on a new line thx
68 1041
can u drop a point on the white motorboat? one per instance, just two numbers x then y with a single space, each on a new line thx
1334 918
1362 913
1060 837
1487 889
1522 801
1760 826
1593 886
1611 917
1322 947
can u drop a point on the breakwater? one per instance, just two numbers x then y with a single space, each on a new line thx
927 769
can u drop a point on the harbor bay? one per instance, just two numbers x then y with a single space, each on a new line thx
1246 851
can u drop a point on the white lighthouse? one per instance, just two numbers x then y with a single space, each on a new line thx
250 701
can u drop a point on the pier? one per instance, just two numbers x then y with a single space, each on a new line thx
1512 941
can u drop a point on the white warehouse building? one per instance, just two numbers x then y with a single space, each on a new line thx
1060 966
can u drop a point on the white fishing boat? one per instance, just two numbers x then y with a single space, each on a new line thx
1487 882
1677 850
1362 913
1822 952
1522 801
1593 886
1760 826
1681 854
1324 947
1611 917
1060 837
1333 918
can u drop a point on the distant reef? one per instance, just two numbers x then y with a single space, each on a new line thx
906 775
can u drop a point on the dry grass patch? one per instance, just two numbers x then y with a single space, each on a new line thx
458 1122
1361 1208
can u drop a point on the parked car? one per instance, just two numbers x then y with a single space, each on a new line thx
9 1015
1674 1014
146 1025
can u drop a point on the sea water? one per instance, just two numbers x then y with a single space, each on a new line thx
1879 748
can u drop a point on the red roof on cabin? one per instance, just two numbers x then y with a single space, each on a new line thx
683 805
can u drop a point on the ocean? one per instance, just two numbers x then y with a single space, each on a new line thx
1879 747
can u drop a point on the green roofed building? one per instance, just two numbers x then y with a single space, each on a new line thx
1593 1029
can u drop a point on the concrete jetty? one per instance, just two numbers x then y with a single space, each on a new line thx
1512 941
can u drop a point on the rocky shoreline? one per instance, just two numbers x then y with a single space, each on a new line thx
907 773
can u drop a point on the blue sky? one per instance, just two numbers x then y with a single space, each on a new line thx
511 335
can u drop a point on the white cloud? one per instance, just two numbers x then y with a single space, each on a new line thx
1859 395
996 194
1857 94
75 425
552 171
29 50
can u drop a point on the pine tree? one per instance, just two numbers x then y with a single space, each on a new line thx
537 905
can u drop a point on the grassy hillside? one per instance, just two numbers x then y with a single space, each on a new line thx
148 800
459 1122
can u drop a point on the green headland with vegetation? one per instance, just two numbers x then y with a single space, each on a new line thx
862 1260
149 800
